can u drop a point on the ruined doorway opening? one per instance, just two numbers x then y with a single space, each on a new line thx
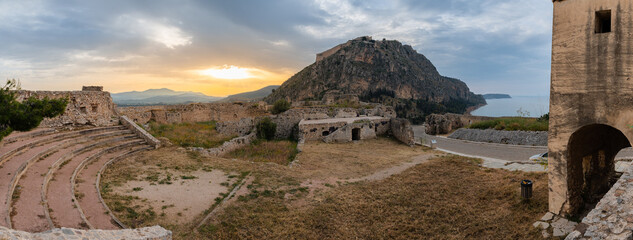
591 166
355 134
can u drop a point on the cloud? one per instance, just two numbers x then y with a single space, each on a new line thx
69 43
156 31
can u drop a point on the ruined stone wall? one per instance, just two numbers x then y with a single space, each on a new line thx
591 89
240 127
402 130
340 129
287 122
194 112
84 107
146 233
228 146
446 123
151 140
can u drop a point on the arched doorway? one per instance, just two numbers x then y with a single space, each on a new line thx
591 166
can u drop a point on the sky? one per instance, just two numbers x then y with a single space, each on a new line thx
222 47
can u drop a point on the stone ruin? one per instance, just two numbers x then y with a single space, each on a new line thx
591 117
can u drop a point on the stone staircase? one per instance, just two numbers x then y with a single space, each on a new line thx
49 178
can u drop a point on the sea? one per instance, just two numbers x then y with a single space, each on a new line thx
526 106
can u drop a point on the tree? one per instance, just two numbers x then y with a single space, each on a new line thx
25 115
266 129
280 106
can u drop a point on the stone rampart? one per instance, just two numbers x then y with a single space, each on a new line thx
240 127
402 130
151 140
531 138
146 233
84 107
194 112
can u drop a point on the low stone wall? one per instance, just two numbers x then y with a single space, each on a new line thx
227 147
446 123
402 130
240 127
151 140
532 138
613 216
194 112
93 108
146 233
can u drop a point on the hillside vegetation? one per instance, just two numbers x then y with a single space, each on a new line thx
514 124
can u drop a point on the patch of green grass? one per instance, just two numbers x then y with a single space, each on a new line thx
186 177
201 134
136 189
513 124
280 152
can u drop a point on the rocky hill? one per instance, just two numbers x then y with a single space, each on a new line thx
372 69
251 96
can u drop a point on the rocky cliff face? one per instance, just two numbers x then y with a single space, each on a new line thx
362 65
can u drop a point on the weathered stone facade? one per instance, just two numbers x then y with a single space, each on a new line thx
92 107
194 112
402 130
343 129
590 102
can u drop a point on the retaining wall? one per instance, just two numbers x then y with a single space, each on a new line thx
446 123
151 140
532 138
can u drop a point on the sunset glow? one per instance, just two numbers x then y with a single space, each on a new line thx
228 72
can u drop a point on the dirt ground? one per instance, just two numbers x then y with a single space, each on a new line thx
182 200
369 189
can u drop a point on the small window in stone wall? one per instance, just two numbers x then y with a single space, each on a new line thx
83 110
603 21
95 107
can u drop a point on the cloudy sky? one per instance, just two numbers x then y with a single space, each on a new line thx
222 47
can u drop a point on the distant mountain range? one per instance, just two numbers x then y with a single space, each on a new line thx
251 96
161 96
165 96
496 96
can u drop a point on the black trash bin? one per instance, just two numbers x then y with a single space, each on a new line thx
526 189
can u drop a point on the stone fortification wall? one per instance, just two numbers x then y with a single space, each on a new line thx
229 146
194 112
146 233
340 129
84 107
446 123
402 130
532 138
151 140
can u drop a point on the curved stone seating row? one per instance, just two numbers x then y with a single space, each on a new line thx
49 178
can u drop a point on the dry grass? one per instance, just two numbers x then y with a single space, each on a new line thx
447 198
280 152
202 134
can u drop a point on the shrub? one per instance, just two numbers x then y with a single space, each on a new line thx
25 115
280 106
266 129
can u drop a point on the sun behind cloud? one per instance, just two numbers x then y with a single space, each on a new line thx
229 72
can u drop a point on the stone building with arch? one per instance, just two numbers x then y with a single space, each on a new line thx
591 99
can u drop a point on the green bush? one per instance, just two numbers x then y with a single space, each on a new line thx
280 106
25 115
266 129
513 124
